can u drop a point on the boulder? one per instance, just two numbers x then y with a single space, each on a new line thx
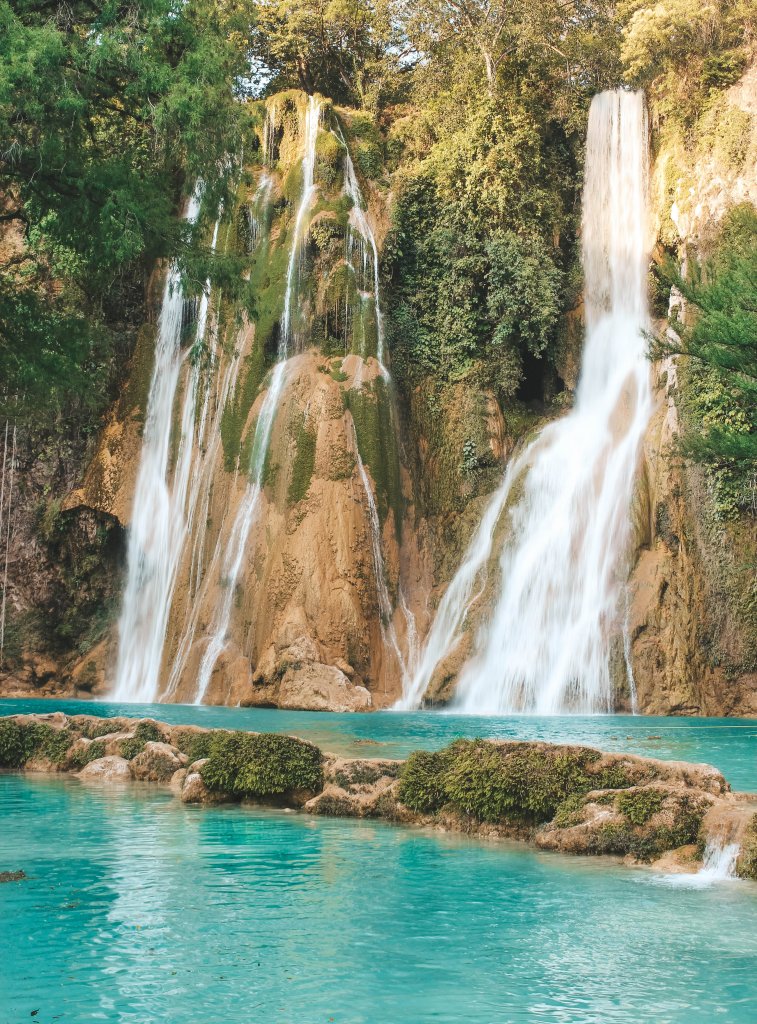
158 762
317 687
194 790
110 768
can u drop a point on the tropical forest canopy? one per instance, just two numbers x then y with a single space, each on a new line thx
475 113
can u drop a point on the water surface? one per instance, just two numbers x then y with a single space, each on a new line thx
139 909
728 743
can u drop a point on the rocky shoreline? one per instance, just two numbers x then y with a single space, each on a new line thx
567 798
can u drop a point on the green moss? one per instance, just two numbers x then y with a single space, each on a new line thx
747 863
145 732
328 159
262 764
422 782
303 463
570 811
646 843
129 748
371 412
494 782
98 727
639 805
20 742
723 132
196 745
92 752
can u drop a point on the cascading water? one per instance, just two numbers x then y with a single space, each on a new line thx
360 237
158 526
207 447
546 647
233 557
718 865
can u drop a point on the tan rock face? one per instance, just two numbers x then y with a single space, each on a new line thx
683 630
305 629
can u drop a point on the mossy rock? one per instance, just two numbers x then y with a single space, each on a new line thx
303 463
746 866
262 765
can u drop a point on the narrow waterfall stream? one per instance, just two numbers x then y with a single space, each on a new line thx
158 527
233 557
545 647
360 239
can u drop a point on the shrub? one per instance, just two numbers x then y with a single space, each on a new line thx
261 764
422 781
639 805
492 781
196 745
83 755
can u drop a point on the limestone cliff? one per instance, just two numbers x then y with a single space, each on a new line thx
691 618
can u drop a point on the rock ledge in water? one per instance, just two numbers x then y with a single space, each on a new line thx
566 798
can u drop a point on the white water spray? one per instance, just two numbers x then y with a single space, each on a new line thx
545 648
718 865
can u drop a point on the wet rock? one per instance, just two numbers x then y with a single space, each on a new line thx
110 768
194 790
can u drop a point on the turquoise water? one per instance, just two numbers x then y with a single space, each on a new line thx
138 909
728 743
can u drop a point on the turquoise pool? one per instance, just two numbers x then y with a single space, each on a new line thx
728 743
138 909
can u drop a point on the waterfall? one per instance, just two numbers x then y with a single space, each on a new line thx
545 648
359 236
233 557
158 526
718 865
207 448
312 121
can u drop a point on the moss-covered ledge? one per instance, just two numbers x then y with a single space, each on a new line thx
568 798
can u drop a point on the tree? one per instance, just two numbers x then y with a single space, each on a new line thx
350 50
108 111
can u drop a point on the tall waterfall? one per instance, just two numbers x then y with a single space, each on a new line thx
158 525
545 648
233 557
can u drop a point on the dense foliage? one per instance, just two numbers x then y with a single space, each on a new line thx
720 380
261 764
108 112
